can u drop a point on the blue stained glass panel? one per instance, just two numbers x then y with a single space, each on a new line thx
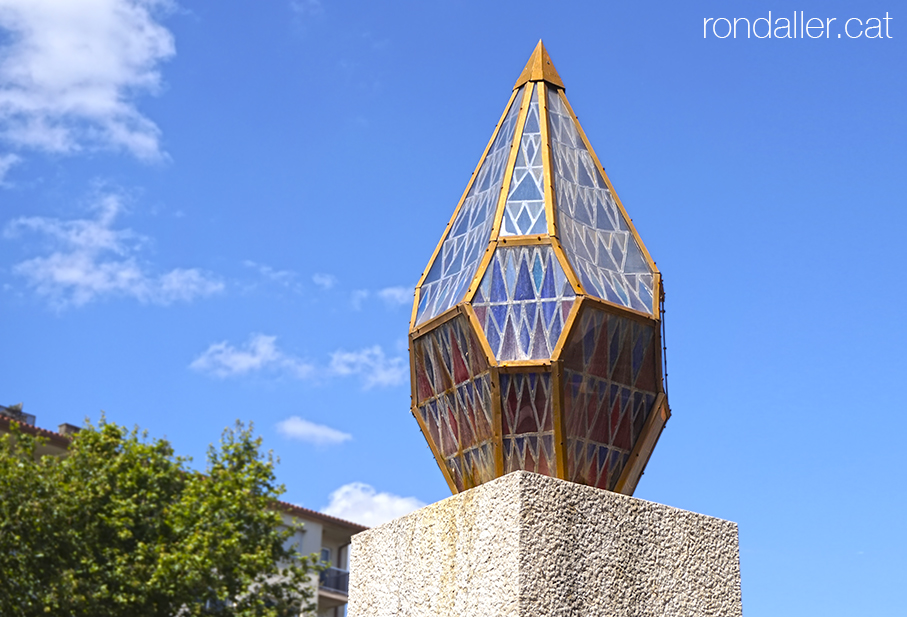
593 232
522 318
456 263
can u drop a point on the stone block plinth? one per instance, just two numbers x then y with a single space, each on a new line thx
526 545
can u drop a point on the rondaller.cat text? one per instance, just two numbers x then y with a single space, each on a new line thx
799 26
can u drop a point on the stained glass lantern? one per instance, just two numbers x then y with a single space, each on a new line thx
535 338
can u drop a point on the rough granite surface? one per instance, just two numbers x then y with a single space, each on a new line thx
530 545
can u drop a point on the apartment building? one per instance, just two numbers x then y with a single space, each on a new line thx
329 538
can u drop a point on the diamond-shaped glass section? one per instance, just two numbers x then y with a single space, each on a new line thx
592 229
610 386
523 302
466 241
453 392
524 214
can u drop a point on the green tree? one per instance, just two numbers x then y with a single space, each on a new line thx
121 526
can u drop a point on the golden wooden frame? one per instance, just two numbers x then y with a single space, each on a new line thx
434 450
560 421
621 310
523 240
524 366
558 350
483 340
434 322
498 422
645 443
547 161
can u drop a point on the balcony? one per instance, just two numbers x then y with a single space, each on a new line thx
335 580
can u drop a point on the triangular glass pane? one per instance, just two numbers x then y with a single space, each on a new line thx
471 229
585 214
527 194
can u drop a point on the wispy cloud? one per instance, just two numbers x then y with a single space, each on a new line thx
396 296
371 365
259 354
361 503
285 278
6 163
325 281
90 258
392 297
358 297
307 8
70 74
295 427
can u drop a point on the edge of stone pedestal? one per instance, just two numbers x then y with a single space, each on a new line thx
527 477
527 544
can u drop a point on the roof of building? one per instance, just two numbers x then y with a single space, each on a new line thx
301 512
63 441
56 439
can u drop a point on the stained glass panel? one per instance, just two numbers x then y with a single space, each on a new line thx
610 385
524 213
522 302
592 229
528 422
453 394
466 241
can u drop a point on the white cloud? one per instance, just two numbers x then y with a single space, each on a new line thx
396 296
286 278
260 353
90 259
392 297
325 281
361 503
295 427
6 163
70 73
307 8
371 364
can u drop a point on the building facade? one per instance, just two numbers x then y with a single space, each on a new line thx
329 538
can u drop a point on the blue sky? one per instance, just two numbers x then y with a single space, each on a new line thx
218 211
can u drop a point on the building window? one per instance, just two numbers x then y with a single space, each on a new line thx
325 555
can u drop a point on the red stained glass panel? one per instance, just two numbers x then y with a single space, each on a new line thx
610 372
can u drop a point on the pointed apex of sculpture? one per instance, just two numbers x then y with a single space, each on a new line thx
539 68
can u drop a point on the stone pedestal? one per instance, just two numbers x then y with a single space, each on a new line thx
530 545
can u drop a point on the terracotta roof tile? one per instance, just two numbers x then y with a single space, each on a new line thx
56 439
301 512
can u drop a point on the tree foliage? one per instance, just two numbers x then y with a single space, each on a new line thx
121 526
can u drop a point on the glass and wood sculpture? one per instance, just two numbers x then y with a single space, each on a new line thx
535 338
